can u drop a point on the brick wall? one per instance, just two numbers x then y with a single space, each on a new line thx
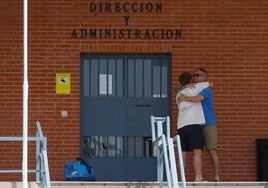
228 38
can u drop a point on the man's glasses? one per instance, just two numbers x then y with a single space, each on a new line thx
197 75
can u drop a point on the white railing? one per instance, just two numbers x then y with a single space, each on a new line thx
42 168
164 146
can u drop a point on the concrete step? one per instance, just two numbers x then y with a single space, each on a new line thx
68 184
156 185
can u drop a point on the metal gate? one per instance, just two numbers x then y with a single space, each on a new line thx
119 93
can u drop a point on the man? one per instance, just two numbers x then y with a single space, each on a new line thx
209 129
190 119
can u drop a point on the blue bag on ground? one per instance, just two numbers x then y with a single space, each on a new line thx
79 170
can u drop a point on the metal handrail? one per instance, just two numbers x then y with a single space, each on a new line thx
164 145
42 168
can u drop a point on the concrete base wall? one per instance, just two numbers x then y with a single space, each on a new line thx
67 184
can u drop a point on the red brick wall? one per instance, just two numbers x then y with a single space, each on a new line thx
228 38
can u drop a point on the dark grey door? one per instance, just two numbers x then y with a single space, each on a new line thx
119 93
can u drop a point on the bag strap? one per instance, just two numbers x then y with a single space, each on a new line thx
80 159
85 163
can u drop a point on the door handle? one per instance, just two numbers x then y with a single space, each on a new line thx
143 105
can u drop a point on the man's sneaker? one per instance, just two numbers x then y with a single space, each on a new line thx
201 180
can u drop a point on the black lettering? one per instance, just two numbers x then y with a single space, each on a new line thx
121 33
92 7
129 33
126 7
178 33
126 19
162 34
83 33
158 7
100 8
134 7
93 33
108 7
169 34
100 33
155 36
137 34
149 7
117 7
114 33
74 34
147 35
141 7
107 33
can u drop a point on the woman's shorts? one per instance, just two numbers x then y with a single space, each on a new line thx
191 137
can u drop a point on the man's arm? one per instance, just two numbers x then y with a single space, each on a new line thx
193 99
192 85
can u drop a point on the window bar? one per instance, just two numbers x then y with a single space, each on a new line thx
117 146
98 145
152 81
107 77
98 78
134 79
115 78
143 77
134 146
88 79
161 79
109 146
